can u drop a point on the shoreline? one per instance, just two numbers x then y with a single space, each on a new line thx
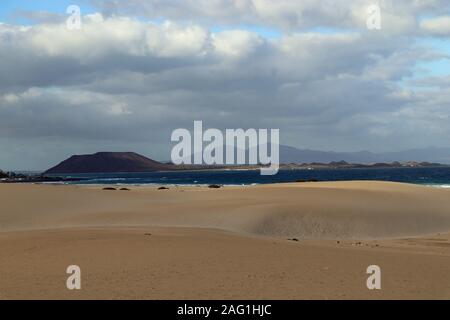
206 185
433 177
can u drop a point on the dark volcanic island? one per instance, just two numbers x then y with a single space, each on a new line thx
108 162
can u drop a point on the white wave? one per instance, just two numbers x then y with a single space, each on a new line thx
436 185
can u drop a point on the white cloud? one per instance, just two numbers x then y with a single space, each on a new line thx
399 16
438 26
236 43
130 81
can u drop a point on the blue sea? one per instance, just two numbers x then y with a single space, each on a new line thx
437 177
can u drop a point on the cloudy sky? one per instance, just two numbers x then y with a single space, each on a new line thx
138 69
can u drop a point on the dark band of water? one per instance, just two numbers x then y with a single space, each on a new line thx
428 176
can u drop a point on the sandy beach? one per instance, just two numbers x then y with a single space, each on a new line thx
284 241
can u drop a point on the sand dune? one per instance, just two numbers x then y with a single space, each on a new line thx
180 263
344 210
230 243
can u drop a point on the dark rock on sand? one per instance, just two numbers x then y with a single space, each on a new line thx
3 175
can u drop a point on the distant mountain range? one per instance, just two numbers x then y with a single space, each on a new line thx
132 162
432 154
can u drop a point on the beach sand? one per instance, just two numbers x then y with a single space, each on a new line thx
229 243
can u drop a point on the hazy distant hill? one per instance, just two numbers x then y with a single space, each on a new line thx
133 162
108 162
432 154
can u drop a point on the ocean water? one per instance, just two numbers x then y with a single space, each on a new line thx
436 177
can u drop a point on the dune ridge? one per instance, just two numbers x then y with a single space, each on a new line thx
329 210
